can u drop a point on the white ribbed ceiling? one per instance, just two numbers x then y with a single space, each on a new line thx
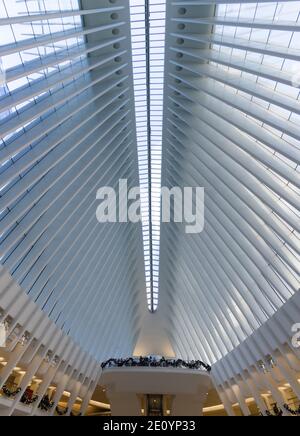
82 107
232 126
67 129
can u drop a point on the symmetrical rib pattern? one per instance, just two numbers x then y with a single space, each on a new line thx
231 126
67 129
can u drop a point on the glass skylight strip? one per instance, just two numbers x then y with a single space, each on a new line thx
157 61
148 76
138 35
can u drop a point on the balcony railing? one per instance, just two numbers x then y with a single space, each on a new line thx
156 363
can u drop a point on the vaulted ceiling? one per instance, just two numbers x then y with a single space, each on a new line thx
179 93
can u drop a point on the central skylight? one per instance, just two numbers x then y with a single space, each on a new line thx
148 22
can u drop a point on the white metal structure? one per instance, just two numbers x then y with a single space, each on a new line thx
69 130
232 126
97 91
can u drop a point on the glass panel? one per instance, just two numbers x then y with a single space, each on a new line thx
157 19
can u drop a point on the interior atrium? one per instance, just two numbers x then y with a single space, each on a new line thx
110 307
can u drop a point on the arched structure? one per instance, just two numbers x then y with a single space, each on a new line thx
183 93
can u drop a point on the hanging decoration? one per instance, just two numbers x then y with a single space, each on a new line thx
292 411
61 412
46 404
74 414
8 393
27 400
154 362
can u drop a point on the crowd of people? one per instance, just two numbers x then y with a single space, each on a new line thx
156 362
